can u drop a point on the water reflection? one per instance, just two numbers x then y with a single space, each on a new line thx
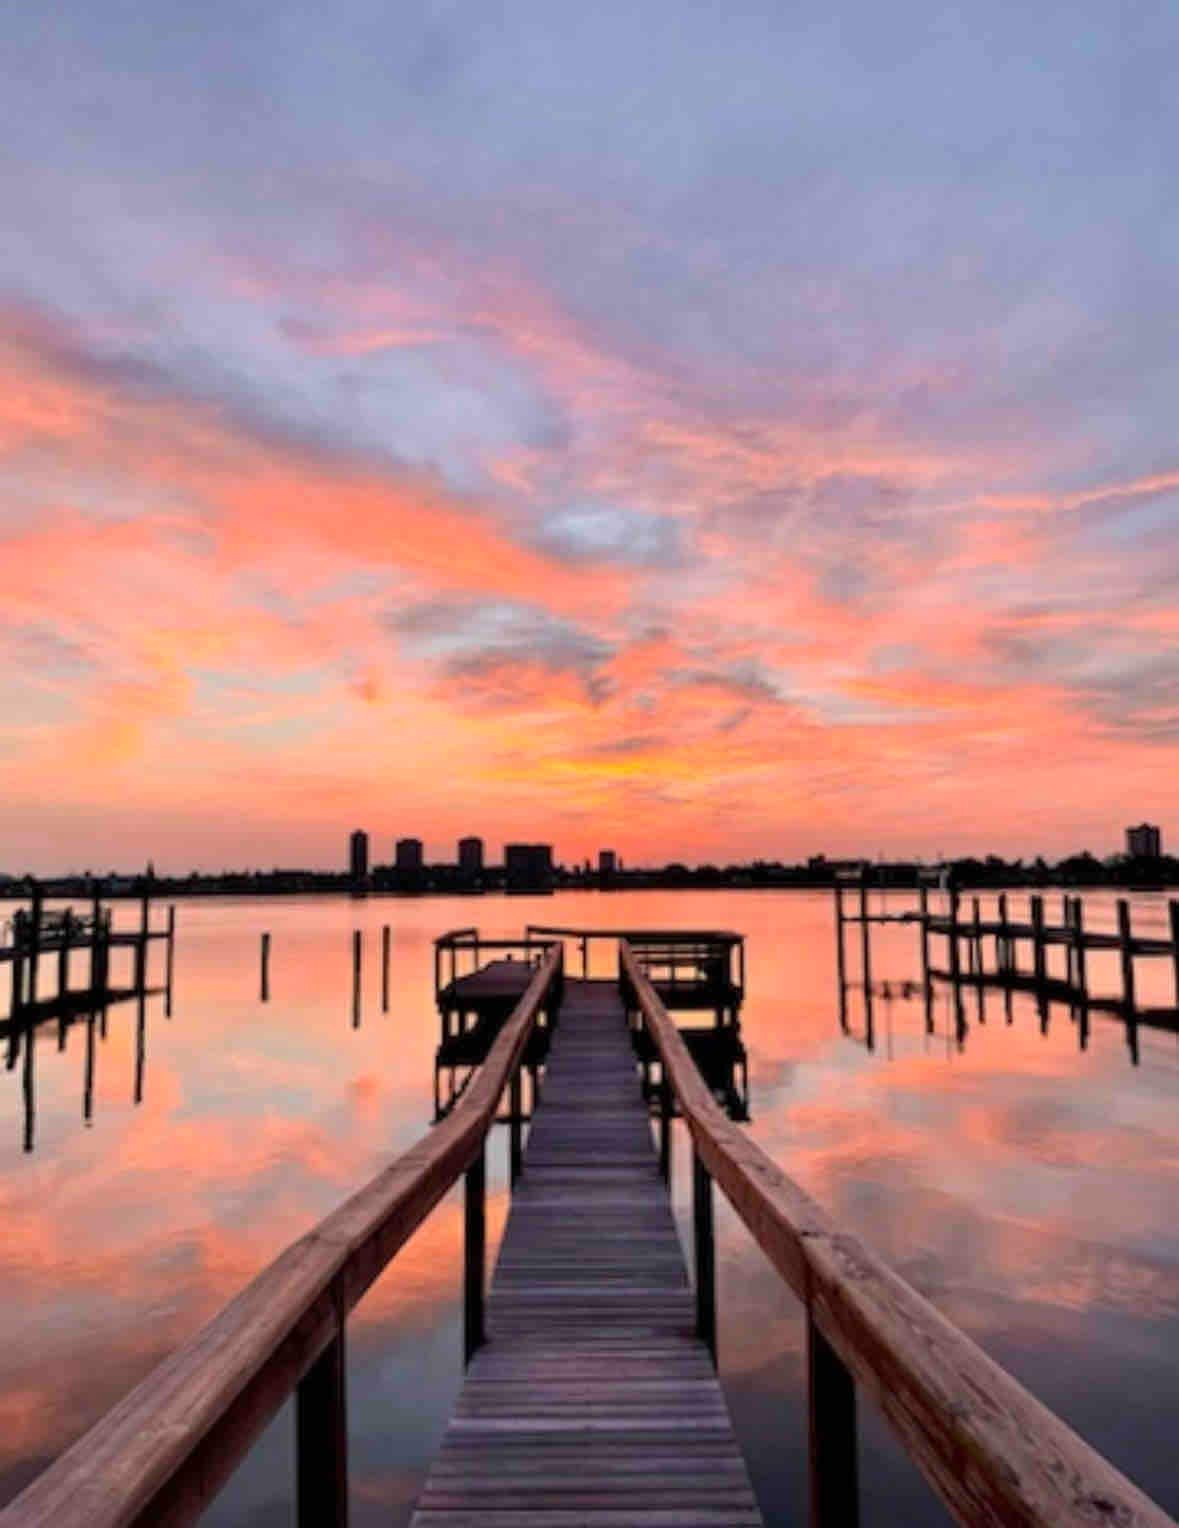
1026 1186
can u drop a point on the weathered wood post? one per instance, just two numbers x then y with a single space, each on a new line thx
1039 950
63 956
926 980
705 1253
977 958
95 943
35 916
264 962
515 1127
831 1415
321 1439
955 954
474 1253
665 1101
840 960
169 960
865 936
1002 950
1173 908
141 942
356 955
385 938
1126 952
1079 969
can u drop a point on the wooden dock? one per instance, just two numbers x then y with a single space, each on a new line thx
592 1400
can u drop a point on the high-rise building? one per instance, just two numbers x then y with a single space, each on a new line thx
407 854
470 856
358 855
1144 842
528 867
607 863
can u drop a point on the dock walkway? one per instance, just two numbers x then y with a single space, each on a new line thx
593 1401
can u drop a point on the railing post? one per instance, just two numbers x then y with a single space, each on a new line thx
664 1124
515 1127
705 1253
474 1249
831 1417
321 1440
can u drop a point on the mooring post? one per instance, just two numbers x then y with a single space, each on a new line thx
1173 908
865 937
831 1416
1126 951
1079 970
385 938
140 1042
264 962
584 955
356 954
1039 951
169 960
705 1253
474 1252
1002 952
34 942
840 962
515 1126
63 957
321 1439
141 943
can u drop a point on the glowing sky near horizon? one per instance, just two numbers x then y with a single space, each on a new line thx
711 431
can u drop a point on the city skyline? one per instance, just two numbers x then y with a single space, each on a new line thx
753 447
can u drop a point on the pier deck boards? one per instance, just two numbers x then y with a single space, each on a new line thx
593 1401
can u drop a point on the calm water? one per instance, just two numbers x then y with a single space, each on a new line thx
1026 1188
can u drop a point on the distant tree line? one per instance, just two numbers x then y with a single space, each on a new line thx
1082 869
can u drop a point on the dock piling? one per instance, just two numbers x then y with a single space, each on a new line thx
474 1253
385 939
705 1244
264 954
831 1414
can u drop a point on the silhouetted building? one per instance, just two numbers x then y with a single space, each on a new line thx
1144 842
528 867
407 854
607 862
470 856
358 855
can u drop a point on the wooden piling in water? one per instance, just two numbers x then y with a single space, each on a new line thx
169 960
1173 908
264 961
840 959
356 956
385 940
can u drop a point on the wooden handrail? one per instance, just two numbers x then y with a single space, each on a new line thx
163 1452
993 1453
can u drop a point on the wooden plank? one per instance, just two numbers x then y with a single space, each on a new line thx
991 1450
593 1401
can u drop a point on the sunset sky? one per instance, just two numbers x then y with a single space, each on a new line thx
705 430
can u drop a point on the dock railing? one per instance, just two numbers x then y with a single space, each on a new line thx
162 1453
991 1451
